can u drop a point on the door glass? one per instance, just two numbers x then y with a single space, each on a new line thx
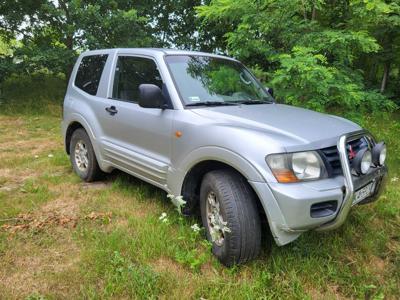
131 72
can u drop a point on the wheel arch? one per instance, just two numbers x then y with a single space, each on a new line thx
74 122
68 134
190 189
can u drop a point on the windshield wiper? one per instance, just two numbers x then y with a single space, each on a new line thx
211 103
255 102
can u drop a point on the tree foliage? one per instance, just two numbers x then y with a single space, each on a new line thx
317 53
314 50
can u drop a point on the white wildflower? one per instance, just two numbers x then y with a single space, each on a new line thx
50 155
394 179
36 156
163 216
165 220
177 201
195 227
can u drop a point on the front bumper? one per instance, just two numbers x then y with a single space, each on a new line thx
351 185
293 212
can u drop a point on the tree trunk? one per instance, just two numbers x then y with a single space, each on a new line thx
372 73
314 13
385 78
304 10
69 43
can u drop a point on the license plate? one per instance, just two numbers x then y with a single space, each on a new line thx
364 192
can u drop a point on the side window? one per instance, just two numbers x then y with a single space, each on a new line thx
131 72
89 73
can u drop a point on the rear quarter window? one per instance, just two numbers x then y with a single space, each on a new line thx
89 73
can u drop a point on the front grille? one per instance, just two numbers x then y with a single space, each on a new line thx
331 155
332 160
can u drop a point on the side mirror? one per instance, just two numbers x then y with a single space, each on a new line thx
150 96
270 91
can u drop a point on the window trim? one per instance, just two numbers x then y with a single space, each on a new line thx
113 69
101 75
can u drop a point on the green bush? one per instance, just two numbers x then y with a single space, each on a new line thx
304 78
40 93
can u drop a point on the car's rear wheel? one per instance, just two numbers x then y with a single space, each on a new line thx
82 156
230 216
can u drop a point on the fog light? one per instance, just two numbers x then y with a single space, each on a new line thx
379 154
362 161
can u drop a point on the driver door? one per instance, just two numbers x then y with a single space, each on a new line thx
136 139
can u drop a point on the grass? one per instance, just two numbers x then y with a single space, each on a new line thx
105 240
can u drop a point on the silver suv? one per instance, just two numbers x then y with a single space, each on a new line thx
202 126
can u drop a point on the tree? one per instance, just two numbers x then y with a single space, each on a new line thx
52 32
382 20
311 48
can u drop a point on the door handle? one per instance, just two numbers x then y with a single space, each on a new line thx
111 110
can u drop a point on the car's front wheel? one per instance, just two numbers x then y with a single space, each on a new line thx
82 156
230 217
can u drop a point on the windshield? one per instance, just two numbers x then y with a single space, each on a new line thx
204 79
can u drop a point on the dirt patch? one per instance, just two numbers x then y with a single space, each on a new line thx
99 185
32 266
63 206
33 151
331 293
208 270
35 146
167 265
17 176
315 294
379 267
377 264
13 122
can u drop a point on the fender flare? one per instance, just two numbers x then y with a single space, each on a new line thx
249 171
213 153
77 118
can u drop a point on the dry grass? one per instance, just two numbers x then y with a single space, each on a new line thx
104 240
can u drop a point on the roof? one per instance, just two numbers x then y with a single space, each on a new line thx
153 51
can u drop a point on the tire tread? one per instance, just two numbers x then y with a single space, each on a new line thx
241 214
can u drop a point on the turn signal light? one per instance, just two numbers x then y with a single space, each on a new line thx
285 176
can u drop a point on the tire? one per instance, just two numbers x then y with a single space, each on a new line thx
238 207
90 170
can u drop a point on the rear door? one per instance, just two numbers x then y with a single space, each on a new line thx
136 139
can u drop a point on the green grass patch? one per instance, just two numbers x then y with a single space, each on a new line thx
134 254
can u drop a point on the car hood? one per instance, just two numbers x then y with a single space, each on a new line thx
297 125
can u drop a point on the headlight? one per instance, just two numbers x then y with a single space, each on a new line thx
299 166
382 156
379 154
362 161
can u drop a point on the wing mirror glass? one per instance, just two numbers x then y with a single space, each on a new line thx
150 96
